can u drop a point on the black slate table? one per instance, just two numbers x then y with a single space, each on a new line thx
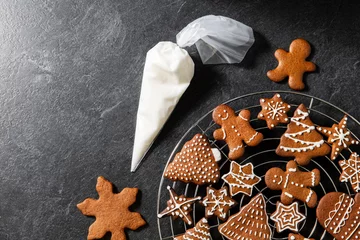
70 77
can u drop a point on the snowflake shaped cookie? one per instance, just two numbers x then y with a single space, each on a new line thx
351 171
274 111
179 207
241 179
217 202
338 136
111 211
287 217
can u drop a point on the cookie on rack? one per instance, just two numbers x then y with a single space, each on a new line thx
287 217
274 111
235 130
339 214
179 207
293 236
111 211
351 171
251 222
217 203
301 140
339 137
201 231
241 178
293 64
293 183
195 163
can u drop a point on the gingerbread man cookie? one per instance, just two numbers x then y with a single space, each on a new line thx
235 130
338 136
293 183
293 64
274 111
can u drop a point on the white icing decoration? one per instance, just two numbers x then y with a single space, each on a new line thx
224 133
288 194
241 178
227 115
309 196
252 137
287 217
237 148
351 171
275 110
242 117
218 201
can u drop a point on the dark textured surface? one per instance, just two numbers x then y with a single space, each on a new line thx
70 75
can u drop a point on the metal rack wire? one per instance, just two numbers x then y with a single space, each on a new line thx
263 157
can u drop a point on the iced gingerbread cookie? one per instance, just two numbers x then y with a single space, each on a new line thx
201 231
293 183
339 137
195 163
293 64
217 202
301 140
274 111
179 207
293 236
111 211
339 214
241 178
235 130
250 223
351 171
287 217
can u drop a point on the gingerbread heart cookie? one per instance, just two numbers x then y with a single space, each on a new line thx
301 140
339 214
235 130
293 64
195 163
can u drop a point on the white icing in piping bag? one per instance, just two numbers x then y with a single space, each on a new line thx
167 74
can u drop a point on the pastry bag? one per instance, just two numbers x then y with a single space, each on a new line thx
169 69
167 74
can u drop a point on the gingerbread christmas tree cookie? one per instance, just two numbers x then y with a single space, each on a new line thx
217 202
241 179
351 171
339 137
235 130
293 183
111 211
293 64
179 207
201 231
339 214
274 111
287 217
195 163
250 223
301 140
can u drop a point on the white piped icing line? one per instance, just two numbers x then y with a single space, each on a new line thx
251 222
226 117
287 217
252 137
201 231
308 145
240 181
351 171
218 200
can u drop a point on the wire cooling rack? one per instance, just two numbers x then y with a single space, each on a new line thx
263 157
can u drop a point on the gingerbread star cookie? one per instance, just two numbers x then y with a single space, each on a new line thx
287 217
241 179
274 111
301 140
251 222
111 211
235 130
201 231
339 137
293 64
195 163
351 171
293 236
217 202
293 183
179 207
339 214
